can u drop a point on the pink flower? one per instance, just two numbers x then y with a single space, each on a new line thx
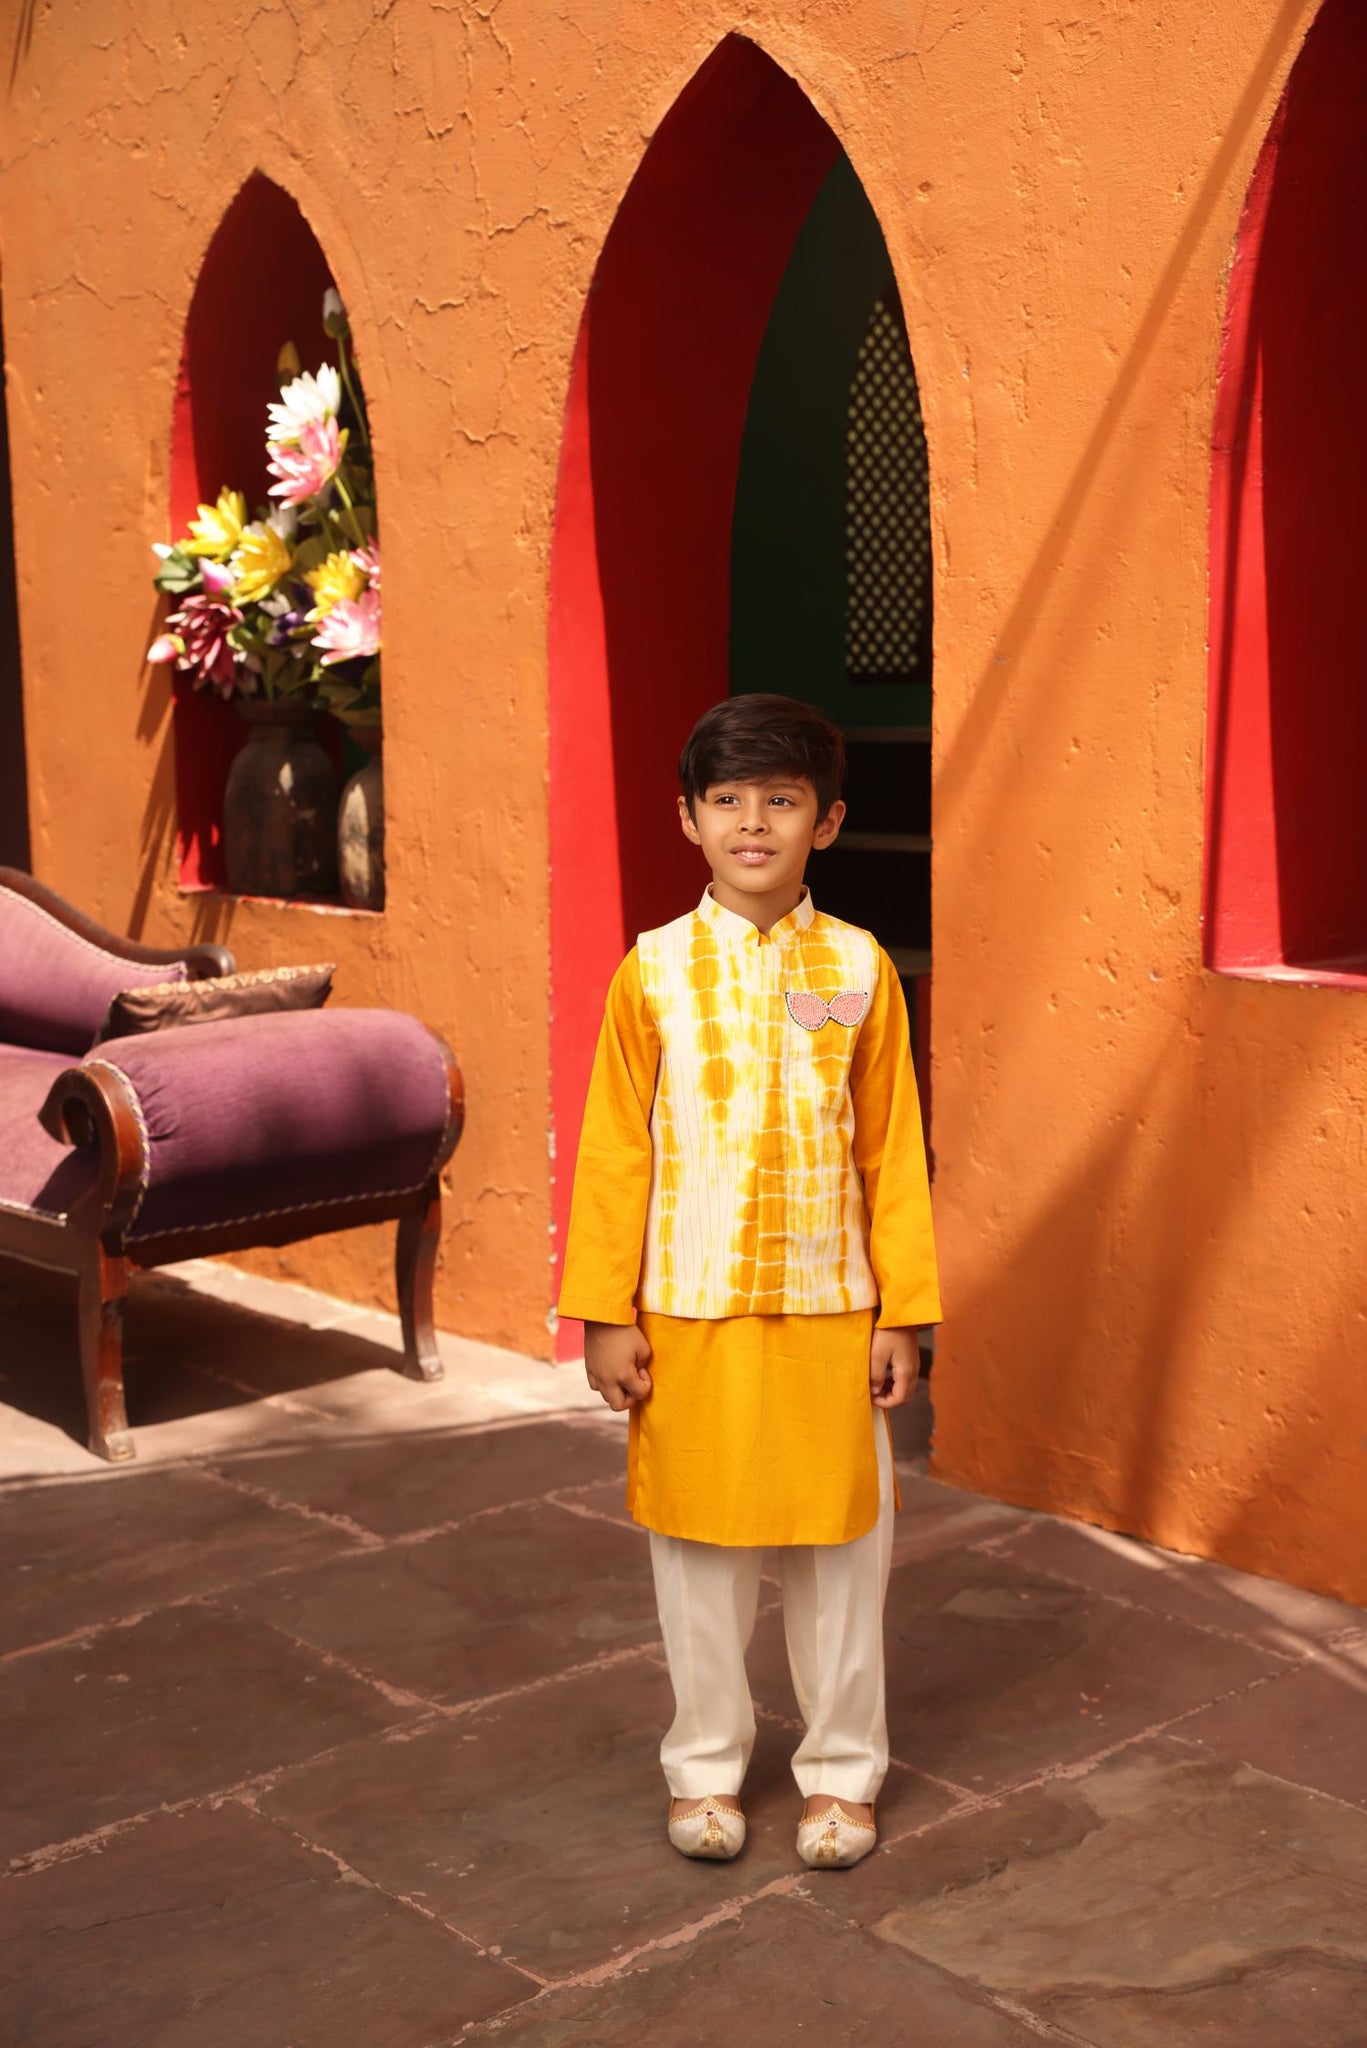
216 577
304 471
351 630
367 560
199 645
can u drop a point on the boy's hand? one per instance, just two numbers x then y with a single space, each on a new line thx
615 1358
894 1367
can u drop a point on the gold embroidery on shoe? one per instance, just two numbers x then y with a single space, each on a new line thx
837 1813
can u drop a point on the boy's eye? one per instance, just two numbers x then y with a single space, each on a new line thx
782 800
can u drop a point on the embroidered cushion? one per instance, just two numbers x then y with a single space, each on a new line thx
168 1005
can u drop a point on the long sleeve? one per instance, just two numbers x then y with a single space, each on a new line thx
612 1173
889 1151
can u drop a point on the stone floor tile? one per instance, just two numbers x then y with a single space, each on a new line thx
208 1929
912 1426
396 1485
76 1553
183 1703
608 1498
507 1599
996 1673
537 1826
1283 1618
782 1972
1294 2000
937 1517
1133 1893
1308 1725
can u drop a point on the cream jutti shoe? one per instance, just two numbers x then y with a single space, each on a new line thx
711 1832
830 1840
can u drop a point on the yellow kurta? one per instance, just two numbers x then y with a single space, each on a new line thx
751 1179
758 1430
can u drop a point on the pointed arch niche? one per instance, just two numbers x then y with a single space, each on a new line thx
682 567
261 285
1286 843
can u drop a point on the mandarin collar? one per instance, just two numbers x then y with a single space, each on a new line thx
729 924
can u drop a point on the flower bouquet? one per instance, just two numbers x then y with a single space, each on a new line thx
287 605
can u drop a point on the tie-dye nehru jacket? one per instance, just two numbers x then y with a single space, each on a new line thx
752 1140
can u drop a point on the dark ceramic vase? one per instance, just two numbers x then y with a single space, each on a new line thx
280 805
360 827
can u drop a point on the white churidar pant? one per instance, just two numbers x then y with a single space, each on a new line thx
833 1595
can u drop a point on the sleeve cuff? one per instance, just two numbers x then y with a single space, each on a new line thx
579 1309
918 1314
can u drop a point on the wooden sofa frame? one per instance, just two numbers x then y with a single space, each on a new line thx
97 1105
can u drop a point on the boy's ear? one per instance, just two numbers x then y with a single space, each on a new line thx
830 825
690 830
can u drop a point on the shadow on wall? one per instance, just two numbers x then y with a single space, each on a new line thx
14 831
1064 1400
1155 1401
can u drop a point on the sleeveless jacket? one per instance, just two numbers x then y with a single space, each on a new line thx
756 1206
752 1139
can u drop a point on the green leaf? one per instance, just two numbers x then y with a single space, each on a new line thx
178 574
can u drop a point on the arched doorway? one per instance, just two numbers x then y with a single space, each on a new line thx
831 594
1286 844
742 504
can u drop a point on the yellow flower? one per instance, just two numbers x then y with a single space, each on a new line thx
287 363
262 558
217 529
333 580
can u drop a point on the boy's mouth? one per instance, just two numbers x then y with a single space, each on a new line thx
752 856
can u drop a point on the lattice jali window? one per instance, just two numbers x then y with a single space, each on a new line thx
887 511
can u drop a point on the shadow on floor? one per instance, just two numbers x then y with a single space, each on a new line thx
345 1719
185 1352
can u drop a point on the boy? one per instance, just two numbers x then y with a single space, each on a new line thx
750 1187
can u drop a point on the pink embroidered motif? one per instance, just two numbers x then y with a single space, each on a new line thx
812 1011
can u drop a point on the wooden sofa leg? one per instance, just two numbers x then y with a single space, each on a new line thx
103 1284
415 1267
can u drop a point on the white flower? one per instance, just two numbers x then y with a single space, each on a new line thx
334 313
309 399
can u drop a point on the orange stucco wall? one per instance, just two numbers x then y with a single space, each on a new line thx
1150 1178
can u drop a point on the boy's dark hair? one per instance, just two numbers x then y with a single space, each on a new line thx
755 736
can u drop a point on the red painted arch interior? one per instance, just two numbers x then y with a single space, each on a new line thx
1286 845
261 285
640 584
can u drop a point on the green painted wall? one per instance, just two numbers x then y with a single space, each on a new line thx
788 538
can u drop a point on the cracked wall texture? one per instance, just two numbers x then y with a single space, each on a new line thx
1149 1178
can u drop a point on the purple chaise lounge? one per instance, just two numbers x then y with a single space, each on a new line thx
254 1131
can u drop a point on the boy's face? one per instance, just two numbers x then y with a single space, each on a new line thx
757 835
